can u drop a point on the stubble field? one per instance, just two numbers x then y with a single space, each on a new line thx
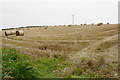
94 49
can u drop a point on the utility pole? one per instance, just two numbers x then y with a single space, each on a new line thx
73 19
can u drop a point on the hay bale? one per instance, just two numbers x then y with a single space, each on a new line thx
19 33
107 23
7 33
46 27
69 25
99 24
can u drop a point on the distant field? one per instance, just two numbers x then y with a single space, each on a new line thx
92 50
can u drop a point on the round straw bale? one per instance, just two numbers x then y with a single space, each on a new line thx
19 33
107 23
7 33
69 25
46 27
99 24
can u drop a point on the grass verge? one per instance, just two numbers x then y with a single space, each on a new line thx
17 65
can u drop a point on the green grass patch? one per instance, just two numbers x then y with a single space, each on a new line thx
78 71
17 65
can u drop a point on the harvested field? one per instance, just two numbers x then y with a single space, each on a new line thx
89 47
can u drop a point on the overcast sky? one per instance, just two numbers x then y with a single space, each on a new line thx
16 13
